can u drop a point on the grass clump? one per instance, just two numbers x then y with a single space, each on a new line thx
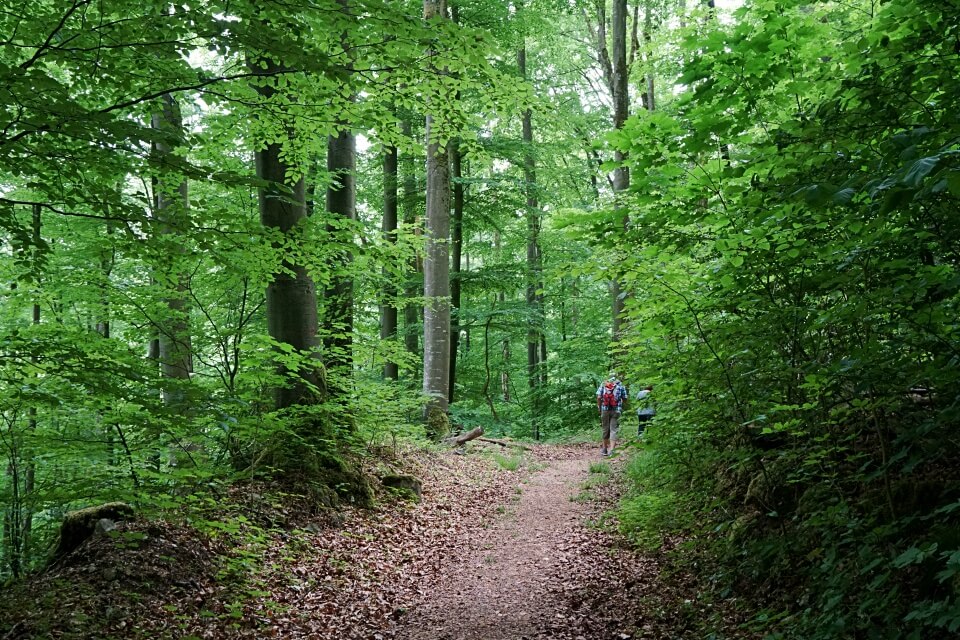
599 468
509 463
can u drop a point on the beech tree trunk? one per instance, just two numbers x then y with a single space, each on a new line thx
505 351
172 201
436 265
534 299
619 90
291 304
338 296
30 471
411 316
456 254
388 305
341 203
649 101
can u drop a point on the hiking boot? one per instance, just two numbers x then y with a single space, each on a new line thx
603 451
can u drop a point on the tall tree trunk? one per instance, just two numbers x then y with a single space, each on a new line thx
341 203
466 328
563 309
505 352
30 471
574 298
107 256
456 253
388 306
649 101
534 300
436 266
172 202
619 89
291 303
338 296
411 316
456 244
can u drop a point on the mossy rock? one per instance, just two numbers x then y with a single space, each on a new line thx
437 423
350 487
79 525
405 487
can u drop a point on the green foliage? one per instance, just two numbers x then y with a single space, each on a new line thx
794 298
85 416
653 508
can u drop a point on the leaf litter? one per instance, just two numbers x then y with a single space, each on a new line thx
488 554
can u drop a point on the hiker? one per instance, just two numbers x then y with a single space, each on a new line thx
646 408
610 397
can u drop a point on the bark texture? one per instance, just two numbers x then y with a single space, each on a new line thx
535 333
388 305
171 199
456 259
436 267
341 204
413 288
291 295
619 90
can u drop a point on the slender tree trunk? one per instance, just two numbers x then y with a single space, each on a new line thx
436 266
563 309
649 101
456 253
505 352
466 329
106 268
338 296
505 356
619 88
574 298
534 310
342 206
172 202
30 470
388 306
486 368
411 321
12 521
291 303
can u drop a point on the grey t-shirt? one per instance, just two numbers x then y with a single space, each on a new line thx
645 403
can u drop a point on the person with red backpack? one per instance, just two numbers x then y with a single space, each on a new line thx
610 397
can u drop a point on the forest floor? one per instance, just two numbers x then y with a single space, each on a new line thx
502 546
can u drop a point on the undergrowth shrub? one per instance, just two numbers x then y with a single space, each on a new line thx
651 509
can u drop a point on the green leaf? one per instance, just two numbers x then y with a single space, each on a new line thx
919 170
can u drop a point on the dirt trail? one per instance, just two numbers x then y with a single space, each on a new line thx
492 588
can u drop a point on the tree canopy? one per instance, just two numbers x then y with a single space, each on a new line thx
750 207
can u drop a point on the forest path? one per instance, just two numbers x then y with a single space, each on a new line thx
497 586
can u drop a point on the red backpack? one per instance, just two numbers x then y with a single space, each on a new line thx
608 397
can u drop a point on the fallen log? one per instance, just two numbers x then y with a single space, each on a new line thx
459 440
506 443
